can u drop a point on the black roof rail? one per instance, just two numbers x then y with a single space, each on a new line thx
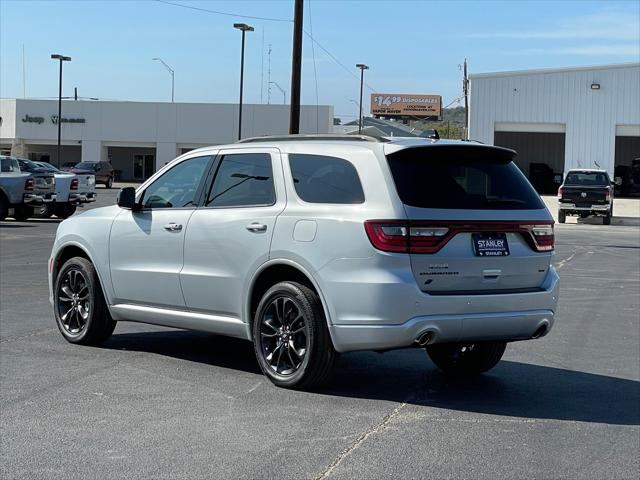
313 137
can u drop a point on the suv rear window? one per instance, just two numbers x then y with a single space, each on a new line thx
323 179
461 177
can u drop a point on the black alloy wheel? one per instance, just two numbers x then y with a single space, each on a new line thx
73 301
81 312
284 336
291 338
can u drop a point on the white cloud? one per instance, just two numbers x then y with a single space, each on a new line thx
609 25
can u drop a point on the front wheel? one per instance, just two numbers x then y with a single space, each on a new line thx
466 358
291 338
81 313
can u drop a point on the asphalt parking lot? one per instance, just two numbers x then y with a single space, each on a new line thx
162 403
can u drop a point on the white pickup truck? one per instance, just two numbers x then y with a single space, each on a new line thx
72 190
21 191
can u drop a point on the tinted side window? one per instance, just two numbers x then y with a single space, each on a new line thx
243 179
322 179
176 188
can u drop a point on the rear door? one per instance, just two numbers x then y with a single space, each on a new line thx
476 224
229 236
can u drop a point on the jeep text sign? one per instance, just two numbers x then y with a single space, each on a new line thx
398 104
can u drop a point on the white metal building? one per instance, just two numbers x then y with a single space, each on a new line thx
138 138
562 118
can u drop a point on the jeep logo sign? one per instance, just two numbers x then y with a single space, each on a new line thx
54 120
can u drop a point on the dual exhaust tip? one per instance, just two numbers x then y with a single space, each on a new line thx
425 338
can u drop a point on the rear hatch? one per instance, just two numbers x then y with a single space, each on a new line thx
87 183
475 223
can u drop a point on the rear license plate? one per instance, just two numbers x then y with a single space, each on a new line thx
490 244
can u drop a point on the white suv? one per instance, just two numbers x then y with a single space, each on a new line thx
313 245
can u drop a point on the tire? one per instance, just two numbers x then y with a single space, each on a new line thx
4 207
562 216
109 183
64 210
84 322
466 358
278 339
22 212
44 211
606 220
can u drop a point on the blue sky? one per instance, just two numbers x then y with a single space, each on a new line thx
411 46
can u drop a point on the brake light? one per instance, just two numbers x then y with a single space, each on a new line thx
74 184
429 237
560 192
29 184
544 237
607 196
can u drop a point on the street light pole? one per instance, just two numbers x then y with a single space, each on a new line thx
284 94
61 58
171 72
243 27
362 68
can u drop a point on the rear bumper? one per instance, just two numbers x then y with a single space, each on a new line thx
510 326
391 312
39 198
82 197
592 208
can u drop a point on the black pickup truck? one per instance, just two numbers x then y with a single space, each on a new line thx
586 192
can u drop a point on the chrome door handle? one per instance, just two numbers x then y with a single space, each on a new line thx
257 227
173 227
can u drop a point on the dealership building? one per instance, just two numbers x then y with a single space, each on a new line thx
558 119
139 137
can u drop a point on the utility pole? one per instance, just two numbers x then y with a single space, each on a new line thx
362 68
269 75
296 68
465 89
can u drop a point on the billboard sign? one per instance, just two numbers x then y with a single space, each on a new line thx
400 105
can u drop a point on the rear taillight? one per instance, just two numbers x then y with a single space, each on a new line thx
29 184
74 184
560 192
607 196
428 237
544 237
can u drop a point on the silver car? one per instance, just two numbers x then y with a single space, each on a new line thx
310 246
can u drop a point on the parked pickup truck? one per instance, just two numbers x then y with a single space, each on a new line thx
21 191
586 192
72 190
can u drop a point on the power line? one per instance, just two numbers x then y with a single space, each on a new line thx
228 14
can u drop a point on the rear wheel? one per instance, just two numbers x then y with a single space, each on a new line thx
562 217
44 211
22 212
466 358
291 338
79 307
64 210
606 220
4 207
109 183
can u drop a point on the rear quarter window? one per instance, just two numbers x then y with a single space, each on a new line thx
325 179
461 177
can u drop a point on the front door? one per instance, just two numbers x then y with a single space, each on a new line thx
146 246
230 234
143 166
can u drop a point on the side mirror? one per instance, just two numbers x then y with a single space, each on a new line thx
617 181
127 199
